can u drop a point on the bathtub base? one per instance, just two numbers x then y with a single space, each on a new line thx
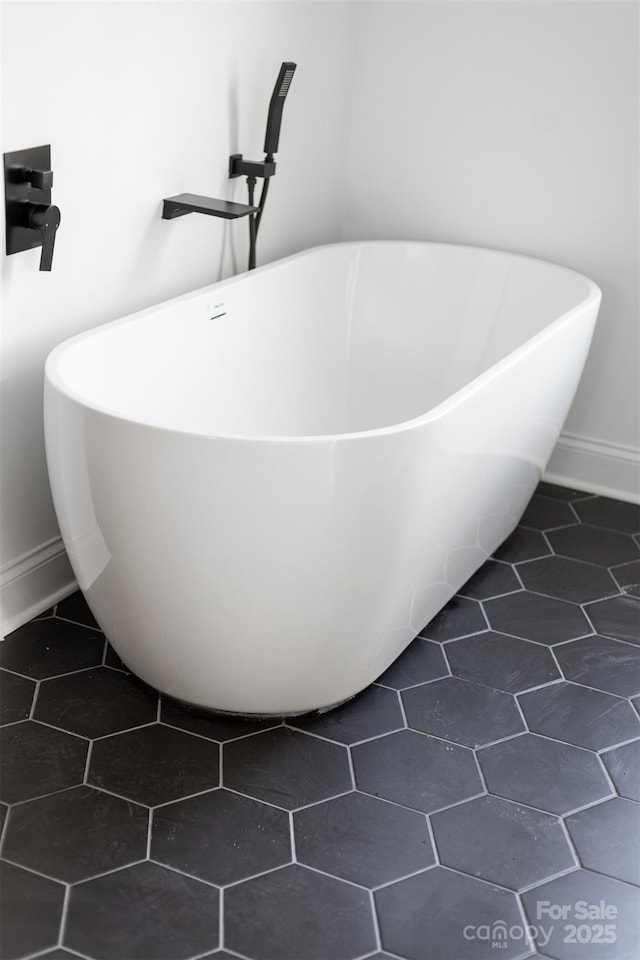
235 715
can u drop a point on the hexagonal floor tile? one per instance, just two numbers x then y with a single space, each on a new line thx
205 723
523 544
16 697
370 714
422 661
361 839
441 915
95 703
76 834
623 766
287 768
602 547
602 663
48 648
37 760
462 711
458 618
30 911
578 892
612 514
606 838
317 917
534 617
145 911
551 776
492 580
221 837
575 714
618 617
154 764
416 771
567 579
545 513
511 845
502 662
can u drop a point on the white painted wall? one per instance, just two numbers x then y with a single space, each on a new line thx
141 101
509 124
515 125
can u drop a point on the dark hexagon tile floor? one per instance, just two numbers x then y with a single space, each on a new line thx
492 771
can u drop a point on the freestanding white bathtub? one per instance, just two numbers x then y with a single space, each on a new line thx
269 486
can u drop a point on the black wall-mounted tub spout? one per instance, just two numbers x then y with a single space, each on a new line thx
184 203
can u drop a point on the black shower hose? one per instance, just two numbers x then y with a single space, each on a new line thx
255 218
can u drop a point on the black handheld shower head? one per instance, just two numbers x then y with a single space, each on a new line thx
276 106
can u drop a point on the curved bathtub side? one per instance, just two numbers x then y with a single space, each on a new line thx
314 562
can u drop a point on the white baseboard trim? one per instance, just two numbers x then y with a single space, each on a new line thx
34 582
595 467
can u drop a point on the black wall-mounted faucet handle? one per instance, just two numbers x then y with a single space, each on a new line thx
31 219
46 219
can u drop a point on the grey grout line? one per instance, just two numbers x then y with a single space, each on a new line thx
521 712
570 843
483 780
17 673
292 838
616 746
420 683
376 922
608 693
432 836
87 762
256 876
352 770
458 803
558 667
59 676
402 709
182 873
50 726
554 876
35 872
340 743
111 793
149 832
4 829
64 915
333 876
221 920
118 733
36 691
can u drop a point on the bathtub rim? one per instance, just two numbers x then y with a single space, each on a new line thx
54 378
